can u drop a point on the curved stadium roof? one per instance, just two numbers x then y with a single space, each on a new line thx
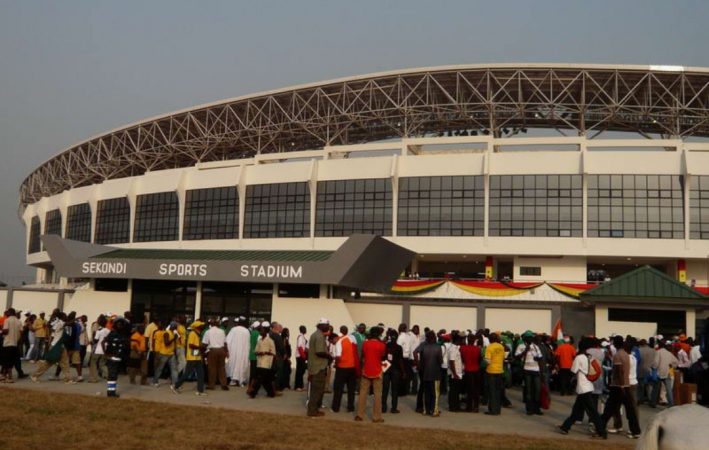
666 100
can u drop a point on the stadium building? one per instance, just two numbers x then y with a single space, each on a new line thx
499 196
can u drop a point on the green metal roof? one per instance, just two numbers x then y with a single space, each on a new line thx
219 255
643 282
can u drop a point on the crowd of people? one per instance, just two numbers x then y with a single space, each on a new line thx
472 369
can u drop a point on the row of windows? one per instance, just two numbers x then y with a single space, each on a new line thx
639 206
536 205
636 206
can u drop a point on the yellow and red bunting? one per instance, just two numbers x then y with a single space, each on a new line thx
415 286
572 289
494 288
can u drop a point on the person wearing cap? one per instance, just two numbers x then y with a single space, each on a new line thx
237 342
115 347
194 359
530 355
215 341
265 352
565 354
318 360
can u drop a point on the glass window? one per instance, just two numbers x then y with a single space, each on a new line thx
250 300
698 207
78 222
112 221
156 217
211 214
636 206
277 210
345 207
537 205
35 231
53 222
457 208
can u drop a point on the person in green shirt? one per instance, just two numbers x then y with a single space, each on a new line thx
255 333
318 360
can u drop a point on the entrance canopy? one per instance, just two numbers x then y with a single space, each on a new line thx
648 287
366 262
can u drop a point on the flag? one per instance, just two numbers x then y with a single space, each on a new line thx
557 333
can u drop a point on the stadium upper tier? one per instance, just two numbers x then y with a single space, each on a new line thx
495 100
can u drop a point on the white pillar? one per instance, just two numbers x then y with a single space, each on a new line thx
690 323
198 301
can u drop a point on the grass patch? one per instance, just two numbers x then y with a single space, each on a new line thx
39 420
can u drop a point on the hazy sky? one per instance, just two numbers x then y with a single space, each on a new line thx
71 69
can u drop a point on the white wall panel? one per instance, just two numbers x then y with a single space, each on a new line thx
373 313
518 320
444 317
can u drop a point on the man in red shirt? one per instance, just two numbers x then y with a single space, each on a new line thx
471 355
373 353
565 354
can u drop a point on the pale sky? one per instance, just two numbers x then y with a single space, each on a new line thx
73 69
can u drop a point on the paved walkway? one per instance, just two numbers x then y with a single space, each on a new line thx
513 420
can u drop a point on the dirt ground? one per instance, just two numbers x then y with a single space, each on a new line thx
34 420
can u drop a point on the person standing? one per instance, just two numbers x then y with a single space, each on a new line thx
301 358
238 347
346 365
373 354
495 359
254 336
404 341
97 363
396 375
137 362
645 384
11 331
472 377
530 355
72 342
165 342
181 345
565 354
215 342
318 360
455 372
116 348
663 361
429 357
265 354
584 390
39 326
193 357
619 385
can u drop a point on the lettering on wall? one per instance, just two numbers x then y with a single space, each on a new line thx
269 271
183 270
100 268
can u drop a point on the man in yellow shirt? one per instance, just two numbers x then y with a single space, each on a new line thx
181 343
165 342
193 358
39 326
495 358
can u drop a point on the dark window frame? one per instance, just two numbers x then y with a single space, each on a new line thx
78 222
344 207
277 210
112 221
211 213
157 217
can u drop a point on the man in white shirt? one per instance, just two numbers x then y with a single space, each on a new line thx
531 354
215 341
455 372
584 392
11 331
301 358
415 339
97 363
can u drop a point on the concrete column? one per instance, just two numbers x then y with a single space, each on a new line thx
8 299
555 315
60 300
324 291
481 316
198 301
406 313
691 323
